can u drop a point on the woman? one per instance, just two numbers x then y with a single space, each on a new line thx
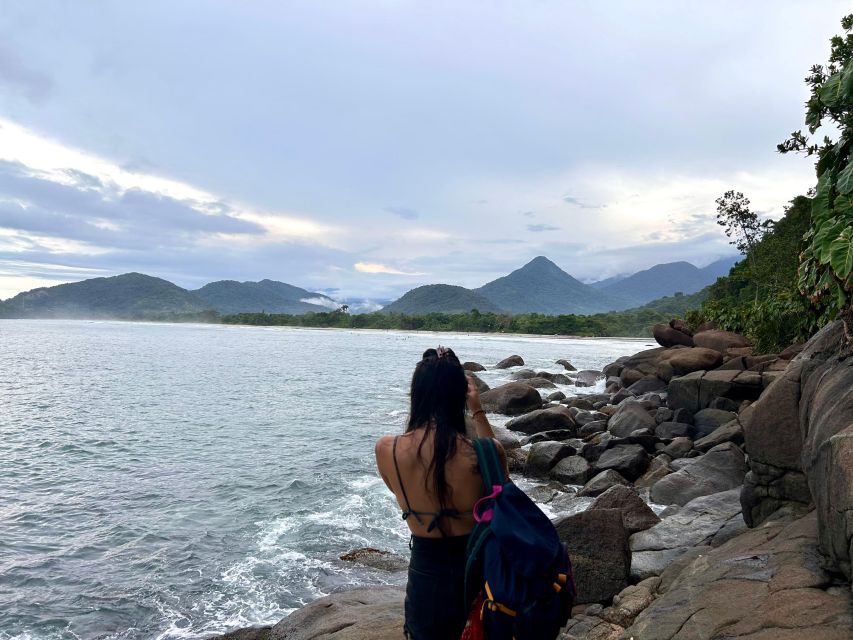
432 470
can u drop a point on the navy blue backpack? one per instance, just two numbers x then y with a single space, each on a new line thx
515 558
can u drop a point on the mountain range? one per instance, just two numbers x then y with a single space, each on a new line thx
540 286
136 295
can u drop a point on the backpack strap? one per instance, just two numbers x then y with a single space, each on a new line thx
489 464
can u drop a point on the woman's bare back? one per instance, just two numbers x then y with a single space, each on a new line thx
461 473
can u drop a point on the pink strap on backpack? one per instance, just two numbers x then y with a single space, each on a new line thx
488 513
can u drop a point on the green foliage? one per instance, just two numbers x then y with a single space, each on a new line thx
826 263
742 225
759 298
634 322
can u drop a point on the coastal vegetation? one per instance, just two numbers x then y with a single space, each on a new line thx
632 323
798 272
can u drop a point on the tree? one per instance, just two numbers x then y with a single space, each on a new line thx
742 225
826 264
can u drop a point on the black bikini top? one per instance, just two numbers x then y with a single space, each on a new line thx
436 515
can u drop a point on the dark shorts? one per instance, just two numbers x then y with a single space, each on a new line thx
435 599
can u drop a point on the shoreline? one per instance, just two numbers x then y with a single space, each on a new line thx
648 339
693 432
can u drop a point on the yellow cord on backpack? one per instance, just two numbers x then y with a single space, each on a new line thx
496 606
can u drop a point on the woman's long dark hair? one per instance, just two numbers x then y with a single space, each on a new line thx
438 395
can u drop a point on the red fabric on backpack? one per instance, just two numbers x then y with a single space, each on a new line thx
474 627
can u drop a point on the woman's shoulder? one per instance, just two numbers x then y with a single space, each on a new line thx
383 445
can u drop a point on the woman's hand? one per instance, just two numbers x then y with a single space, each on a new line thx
473 397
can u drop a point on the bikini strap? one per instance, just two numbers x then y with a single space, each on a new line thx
409 511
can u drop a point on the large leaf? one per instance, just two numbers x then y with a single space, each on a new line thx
844 184
830 93
823 237
847 82
821 204
841 254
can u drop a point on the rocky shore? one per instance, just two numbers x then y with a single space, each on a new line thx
745 459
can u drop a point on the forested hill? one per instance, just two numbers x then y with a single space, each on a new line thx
666 279
541 286
440 298
131 295
230 296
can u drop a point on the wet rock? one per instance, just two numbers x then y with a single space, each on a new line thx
658 468
557 435
545 493
252 633
571 470
523 374
557 396
663 414
721 469
556 378
515 460
682 415
473 366
629 417
579 403
725 404
512 361
707 421
601 482
647 384
568 366
678 448
588 378
377 559
540 383
482 387
552 418
363 613
507 438
636 514
630 460
593 427
674 430
598 576
729 432
511 399
543 456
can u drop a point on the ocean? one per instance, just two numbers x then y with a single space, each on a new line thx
166 481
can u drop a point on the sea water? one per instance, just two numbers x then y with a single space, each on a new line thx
180 480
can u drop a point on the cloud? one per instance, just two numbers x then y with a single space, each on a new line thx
323 302
581 204
403 212
538 228
375 267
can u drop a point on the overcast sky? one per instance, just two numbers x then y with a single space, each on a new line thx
363 148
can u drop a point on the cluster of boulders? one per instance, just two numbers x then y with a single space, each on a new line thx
658 477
